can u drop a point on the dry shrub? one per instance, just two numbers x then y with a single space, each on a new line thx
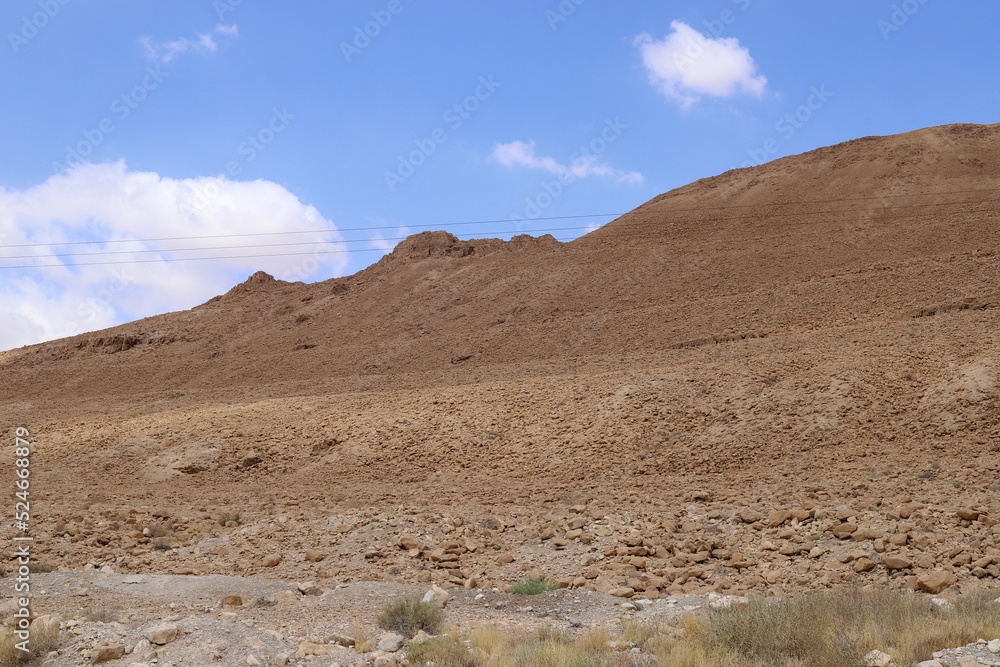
833 629
44 638
365 640
490 641
409 616
440 652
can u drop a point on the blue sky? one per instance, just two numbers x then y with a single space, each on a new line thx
168 120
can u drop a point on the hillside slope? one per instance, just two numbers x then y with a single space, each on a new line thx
795 357
870 230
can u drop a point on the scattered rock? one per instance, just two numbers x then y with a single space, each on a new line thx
877 659
391 642
106 653
621 592
936 581
310 588
271 560
897 562
163 633
337 638
844 530
863 564
437 596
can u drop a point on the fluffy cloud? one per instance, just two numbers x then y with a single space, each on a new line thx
386 245
164 52
686 65
107 202
524 154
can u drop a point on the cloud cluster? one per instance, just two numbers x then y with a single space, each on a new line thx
685 65
106 203
165 52
582 165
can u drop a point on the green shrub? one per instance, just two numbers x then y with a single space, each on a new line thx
533 585
409 616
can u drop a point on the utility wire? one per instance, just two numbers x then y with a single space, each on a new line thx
489 234
335 252
566 217
662 224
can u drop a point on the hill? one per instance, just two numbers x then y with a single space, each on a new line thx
764 380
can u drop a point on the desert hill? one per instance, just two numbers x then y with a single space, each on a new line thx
769 379
870 230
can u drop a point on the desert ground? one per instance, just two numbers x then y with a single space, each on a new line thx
768 383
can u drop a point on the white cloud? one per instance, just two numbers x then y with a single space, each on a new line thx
686 65
205 43
108 202
379 242
523 154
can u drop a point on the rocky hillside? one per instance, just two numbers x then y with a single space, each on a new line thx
783 377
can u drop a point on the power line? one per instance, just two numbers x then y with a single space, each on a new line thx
334 252
518 220
492 232
620 225
305 231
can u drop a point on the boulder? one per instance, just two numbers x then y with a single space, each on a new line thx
161 634
936 581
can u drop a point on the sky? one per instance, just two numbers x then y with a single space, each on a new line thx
155 153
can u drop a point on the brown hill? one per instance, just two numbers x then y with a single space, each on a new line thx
818 334
872 229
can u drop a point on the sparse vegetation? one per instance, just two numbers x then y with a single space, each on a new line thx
821 630
533 585
365 640
92 615
44 638
409 616
36 567
159 529
162 544
230 517
832 629
440 652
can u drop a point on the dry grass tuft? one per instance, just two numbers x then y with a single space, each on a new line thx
44 638
410 615
440 652
833 629
365 640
